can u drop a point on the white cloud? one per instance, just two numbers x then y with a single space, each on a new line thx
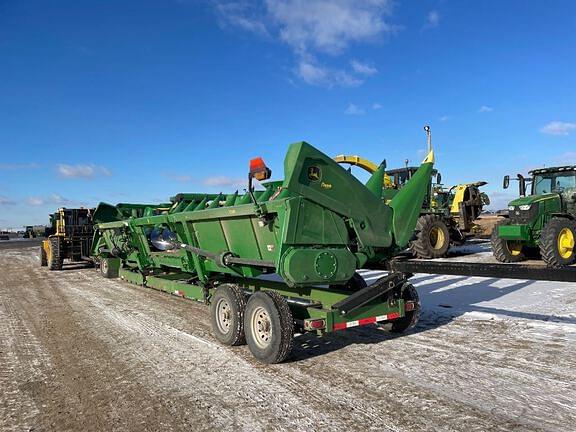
363 68
485 109
558 128
354 110
444 118
314 74
327 25
432 19
315 27
53 199
82 171
241 14
5 201
224 181
35 201
376 106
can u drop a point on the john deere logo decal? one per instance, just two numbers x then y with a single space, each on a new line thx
314 173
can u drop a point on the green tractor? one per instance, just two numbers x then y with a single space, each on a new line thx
542 222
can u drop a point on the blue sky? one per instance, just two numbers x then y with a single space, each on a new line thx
136 101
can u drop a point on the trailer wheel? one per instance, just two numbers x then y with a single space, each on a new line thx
54 258
557 242
43 257
269 327
432 237
505 251
227 309
409 294
106 270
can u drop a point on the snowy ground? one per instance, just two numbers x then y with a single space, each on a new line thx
78 352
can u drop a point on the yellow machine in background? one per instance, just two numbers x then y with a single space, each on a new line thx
447 216
68 237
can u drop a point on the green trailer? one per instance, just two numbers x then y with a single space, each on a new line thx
276 261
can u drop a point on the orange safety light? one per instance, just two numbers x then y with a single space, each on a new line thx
259 170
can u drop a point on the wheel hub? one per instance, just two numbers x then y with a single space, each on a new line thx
566 243
261 327
437 238
223 315
515 248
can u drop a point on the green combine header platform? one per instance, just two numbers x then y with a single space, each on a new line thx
276 261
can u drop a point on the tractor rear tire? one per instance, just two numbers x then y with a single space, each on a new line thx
55 259
505 251
557 242
107 271
43 257
227 308
269 327
432 237
411 318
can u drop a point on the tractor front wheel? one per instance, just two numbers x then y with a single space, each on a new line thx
432 237
269 327
557 242
227 308
55 259
506 251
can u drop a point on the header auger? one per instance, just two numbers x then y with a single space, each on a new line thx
314 229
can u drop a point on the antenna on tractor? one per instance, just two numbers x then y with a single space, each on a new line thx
428 137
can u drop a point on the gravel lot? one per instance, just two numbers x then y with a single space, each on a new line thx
79 352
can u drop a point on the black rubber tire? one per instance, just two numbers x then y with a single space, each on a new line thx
107 271
549 242
355 283
411 318
500 248
422 246
43 257
232 297
281 324
55 260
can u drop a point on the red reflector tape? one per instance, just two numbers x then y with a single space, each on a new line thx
339 326
366 321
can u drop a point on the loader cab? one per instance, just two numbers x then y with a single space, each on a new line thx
71 222
400 176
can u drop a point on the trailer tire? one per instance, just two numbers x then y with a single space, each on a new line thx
107 271
557 242
55 259
227 308
504 250
432 237
411 318
43 257
269 327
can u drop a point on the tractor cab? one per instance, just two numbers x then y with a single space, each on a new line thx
561 181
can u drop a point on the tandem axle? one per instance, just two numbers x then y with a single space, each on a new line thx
236 320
